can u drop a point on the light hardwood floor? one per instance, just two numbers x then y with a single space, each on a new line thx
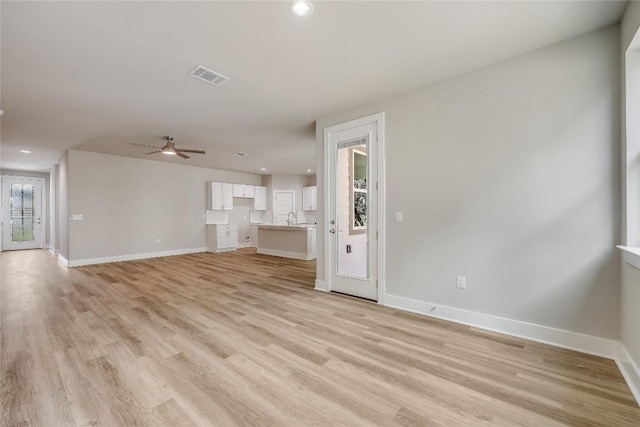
243 339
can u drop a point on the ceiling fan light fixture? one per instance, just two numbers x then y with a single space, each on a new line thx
169 152
301 8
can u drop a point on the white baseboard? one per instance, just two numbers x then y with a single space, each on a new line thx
629 370
245 245
286 254
589 344
53 251
321 285
133 257
218 251
62 260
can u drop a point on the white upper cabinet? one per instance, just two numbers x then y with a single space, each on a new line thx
249 191
260 198
219 196
309 198
243 190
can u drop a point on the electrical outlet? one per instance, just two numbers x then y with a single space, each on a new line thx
157 240
461 282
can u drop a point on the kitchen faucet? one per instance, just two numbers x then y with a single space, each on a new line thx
290 220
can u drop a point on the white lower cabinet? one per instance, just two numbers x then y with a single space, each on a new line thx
222 237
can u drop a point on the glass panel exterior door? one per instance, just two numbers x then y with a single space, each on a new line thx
352 209
21 213
353 214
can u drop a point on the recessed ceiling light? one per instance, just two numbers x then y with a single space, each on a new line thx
308 170
20 166
260 170
301 8
239 154
25 151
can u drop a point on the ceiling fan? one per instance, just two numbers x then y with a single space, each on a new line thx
170 149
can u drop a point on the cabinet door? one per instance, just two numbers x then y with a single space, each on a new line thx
249 191
260 200
215 196
232 241
227 196
238 190
223 238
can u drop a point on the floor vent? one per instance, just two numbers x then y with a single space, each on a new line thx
207 75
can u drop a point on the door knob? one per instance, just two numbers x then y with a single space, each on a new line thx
332 231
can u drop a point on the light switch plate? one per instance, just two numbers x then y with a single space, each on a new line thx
398 216
76 217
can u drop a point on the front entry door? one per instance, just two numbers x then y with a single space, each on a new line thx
22 213
353 207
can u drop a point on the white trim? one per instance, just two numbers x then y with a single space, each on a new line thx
245 245
379 120
629 371
62 260
589 344
631 255
286 254
321 285
132 257
53 251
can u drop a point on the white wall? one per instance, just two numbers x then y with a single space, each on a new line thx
53 176
128 203
508 175
62 204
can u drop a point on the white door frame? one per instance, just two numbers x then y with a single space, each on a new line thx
43 207
293 201
377 119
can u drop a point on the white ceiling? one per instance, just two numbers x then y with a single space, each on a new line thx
98 75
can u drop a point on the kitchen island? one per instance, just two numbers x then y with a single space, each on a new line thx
290 241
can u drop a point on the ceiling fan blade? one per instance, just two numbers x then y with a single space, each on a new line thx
154 152
143 145
182 155
180 150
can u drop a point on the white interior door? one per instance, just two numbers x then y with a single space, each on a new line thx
353 207
22 213
283 205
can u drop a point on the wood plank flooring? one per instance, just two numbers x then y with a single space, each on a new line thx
241 339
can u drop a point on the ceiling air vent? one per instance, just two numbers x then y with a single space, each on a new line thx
206 75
